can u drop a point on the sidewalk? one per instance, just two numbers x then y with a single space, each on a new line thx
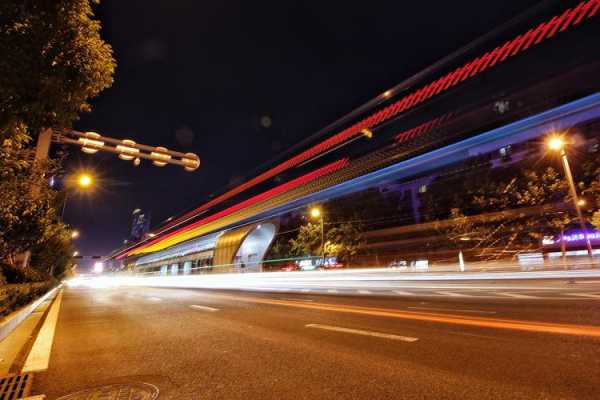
26 338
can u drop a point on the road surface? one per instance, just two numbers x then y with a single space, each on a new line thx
451 342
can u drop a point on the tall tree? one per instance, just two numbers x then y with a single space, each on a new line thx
26 218
308 241
344 241
502 189
53 61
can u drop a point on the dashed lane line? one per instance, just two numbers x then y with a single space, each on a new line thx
203 308
403 293
478 321
454 294
518 295
588 295
309 300
363 333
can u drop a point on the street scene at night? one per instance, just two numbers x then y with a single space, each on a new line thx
298 200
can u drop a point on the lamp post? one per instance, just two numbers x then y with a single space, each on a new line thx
315 213
556 143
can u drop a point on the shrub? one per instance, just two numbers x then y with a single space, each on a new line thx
13 297
14 274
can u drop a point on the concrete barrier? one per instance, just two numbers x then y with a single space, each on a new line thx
12 320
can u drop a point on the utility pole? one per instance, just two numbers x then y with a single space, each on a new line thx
557 143
573 191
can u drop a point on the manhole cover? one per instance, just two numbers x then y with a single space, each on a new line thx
126 391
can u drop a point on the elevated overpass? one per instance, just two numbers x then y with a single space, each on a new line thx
535 75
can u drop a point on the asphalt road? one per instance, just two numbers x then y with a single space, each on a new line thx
207 344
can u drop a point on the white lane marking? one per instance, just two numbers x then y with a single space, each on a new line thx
153 298
403 293
364 292
203 308
305 290
290 299
363 333
39 355
518 295
588 295
453 294
332 291
452 310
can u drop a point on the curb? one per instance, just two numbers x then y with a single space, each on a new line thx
10 322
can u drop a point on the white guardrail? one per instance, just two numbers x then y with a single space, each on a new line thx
13 320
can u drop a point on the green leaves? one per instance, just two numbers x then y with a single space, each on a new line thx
53 61
532 185
28 217
308 241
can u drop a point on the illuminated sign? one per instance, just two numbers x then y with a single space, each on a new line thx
574 237
578 237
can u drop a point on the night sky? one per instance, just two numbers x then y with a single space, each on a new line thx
201 76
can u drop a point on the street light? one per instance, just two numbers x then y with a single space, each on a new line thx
75 234
98 267
315 212
84 180
557 143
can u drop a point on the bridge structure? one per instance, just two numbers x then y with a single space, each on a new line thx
536 74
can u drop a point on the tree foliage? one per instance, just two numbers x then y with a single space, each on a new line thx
28 218
308 241
54 253
53 61
345 240
342 240
489 190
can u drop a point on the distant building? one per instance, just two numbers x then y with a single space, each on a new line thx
140 225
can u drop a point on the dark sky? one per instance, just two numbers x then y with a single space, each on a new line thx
199 75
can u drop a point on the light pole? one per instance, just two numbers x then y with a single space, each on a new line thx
316 212
556 143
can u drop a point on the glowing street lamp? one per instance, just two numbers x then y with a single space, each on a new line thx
81 180
160 157
98 267
315 212
84 181
127 151
74 234
90 142
557 143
